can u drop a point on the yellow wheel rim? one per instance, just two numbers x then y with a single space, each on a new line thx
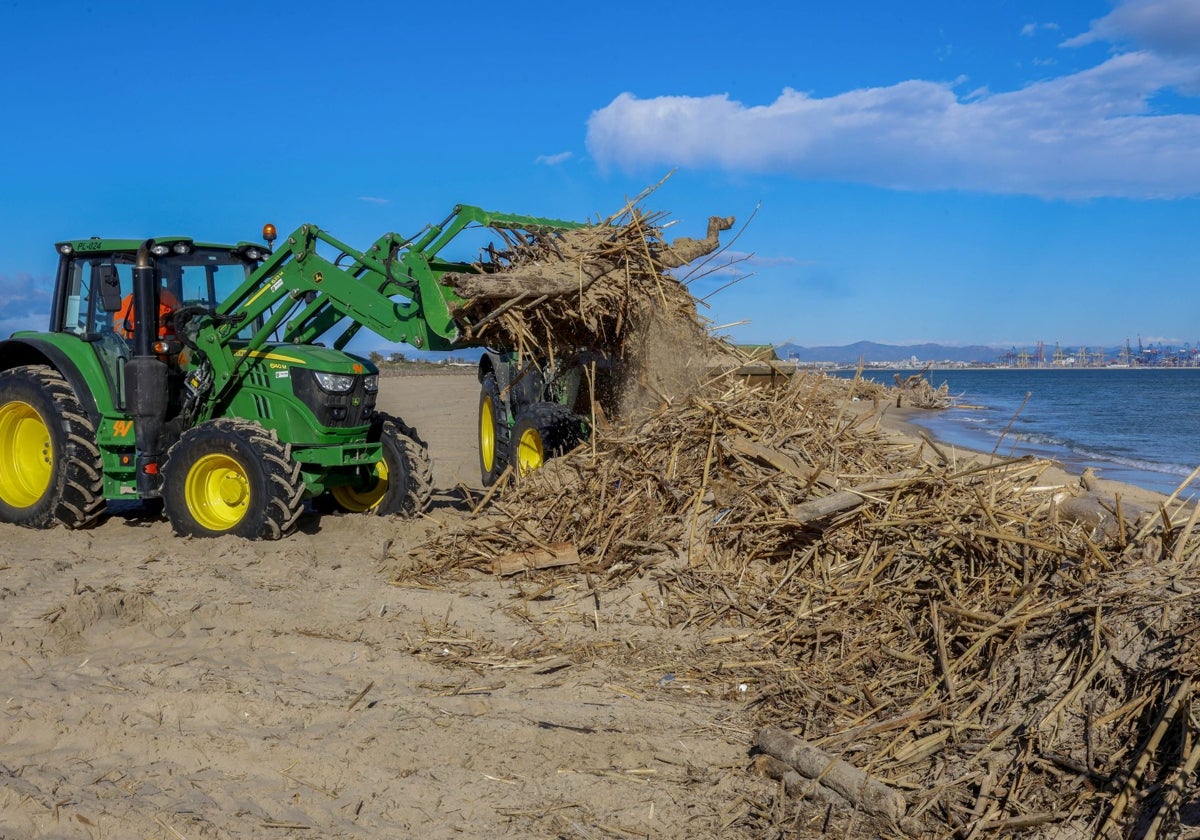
358 501
487 435
217 492
26 455
530 454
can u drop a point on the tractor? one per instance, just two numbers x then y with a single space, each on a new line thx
214 379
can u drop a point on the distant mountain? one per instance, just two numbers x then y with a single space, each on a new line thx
870 351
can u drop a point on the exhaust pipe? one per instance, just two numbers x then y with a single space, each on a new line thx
146 377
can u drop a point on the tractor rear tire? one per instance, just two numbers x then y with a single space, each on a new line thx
402 484
50 468
543 430
232 477
495 441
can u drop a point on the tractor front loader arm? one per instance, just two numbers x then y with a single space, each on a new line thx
394 289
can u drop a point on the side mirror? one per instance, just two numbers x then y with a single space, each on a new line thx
110 288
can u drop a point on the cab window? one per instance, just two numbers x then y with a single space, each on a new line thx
86 281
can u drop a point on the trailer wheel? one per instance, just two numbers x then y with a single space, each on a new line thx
494 434
232 477
50 469
543 430
401 483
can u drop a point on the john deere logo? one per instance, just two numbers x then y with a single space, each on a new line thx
318 277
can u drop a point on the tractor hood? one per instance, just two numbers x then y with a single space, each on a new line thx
309 356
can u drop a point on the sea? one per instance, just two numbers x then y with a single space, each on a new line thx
1140 426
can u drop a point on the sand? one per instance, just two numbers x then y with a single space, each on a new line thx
152 686
158 687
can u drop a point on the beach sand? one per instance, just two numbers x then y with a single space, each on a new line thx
159 687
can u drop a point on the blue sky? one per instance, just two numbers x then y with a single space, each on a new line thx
988 172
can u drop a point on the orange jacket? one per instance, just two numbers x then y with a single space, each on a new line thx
123 319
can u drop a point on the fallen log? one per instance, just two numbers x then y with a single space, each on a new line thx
794 784
861 790
558 554
555 280
774 458
844 500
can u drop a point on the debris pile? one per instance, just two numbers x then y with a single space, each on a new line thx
916 391
946 635
597 288
933 624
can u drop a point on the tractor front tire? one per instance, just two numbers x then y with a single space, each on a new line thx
232 477
543 430
50 469
401 484
495 439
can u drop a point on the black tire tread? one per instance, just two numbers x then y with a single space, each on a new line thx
79 500
285 484
502 430
558 426
419 493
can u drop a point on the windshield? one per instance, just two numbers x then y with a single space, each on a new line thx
206 276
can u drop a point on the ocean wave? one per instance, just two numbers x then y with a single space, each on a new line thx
1044 439
1134 463
1066 449
1039 439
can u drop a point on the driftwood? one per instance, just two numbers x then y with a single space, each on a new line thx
872 795
551 557
845 500
684 250
794 784
779 460
528 282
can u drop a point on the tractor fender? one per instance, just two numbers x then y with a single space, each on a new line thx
15 352
494 363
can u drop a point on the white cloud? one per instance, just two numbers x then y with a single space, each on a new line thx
371 199
1083 135
1031 29
26 303
553 160
1167 26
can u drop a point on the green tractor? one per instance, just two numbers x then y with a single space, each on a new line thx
215 378
529 411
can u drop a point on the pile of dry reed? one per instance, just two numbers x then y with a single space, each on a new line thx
546 292
934 623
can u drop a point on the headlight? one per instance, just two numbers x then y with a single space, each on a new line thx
371 383
182 247
334 383
159 250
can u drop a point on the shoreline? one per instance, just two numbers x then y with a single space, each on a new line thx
1134 500
1099 421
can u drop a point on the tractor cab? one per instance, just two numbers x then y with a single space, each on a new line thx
95 297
